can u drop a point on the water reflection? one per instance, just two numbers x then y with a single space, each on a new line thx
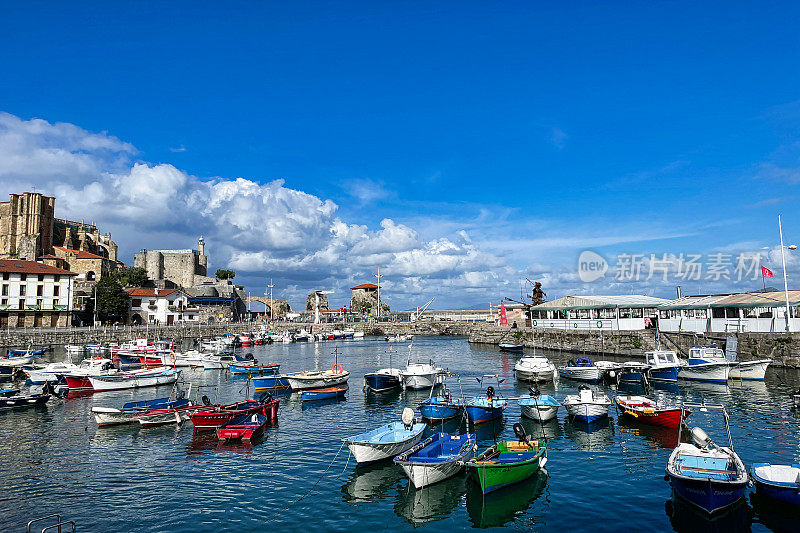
656 436
370 483
431 503
777 516
684 517
550 430
489 431
503 506
590 436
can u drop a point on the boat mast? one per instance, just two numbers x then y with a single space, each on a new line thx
785 282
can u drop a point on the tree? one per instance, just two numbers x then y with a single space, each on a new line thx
537 295
112 301
225 274
131 276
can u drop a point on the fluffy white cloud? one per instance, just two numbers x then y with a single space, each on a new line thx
257 229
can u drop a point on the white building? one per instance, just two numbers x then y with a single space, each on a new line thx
33 294
745 312
622 312
161 306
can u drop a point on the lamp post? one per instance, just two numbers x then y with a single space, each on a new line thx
378 275
785 281
270 301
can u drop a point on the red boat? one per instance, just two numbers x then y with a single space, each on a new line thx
75 383
213 416
244 427
647 411
151 360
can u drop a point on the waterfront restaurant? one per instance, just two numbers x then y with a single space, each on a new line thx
622 312
738 312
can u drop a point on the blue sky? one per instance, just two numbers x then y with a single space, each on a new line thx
539 131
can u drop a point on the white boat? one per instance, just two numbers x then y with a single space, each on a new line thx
150 377
192 358
217 362
588 405
664 365
50 372
538 406
19 360
420 375
608 368
437 458
399 338
386 441
534 368
750 369
314 379
358 335
581 369
73 348
706 363
303 336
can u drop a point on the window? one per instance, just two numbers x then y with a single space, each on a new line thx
56 278
56 290
136 302
22 290
5 290
21 304
23 277
4 301
40 290
40 302
41 277
5 276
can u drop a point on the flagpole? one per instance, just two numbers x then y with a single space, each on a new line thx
785 282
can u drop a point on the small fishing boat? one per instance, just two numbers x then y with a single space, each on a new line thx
649 412
710 477
27 400
38 375
110 416
707 363
175 412
316 379
384 379
581 369
135 379
633 372
417 376
777 482
755 370
327 393
243 427
485 408
212 416
511 347
437 458
386 441
442 406
273 381
588 405
538 406
253 370
534 368
24 353
17 360
9 392
508 462
399 338
93 366
73 348
218 361
664 365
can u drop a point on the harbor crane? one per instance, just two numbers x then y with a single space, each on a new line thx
418 314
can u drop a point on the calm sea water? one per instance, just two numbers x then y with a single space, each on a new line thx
609 477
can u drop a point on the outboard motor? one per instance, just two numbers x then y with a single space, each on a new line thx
408 418
701 438
534 391
519 431
205 400
265 398
490 392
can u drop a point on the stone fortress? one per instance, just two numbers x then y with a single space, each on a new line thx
184 268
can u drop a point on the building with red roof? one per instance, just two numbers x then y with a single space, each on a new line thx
34 294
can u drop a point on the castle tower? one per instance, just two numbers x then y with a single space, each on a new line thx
202 259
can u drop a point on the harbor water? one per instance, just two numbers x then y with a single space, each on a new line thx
604 477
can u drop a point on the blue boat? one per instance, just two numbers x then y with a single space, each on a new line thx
270 382
437 458
386 441
664 365
511 347
710 477
633 373
481 409
777 482
21 353
8 392
328 393
382 380
437 408
253 370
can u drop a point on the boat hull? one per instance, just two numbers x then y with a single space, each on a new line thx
587 412
480 415
419 381
78 382
31 400
322 394
542 376
378 382
105 416
785 492
586 374
439 411
539 412
161 417
370 452
707 372
706 495
212 419
754 370
496 475
667 374
318 381
100 384
423 473
270 383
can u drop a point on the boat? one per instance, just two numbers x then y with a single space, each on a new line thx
192 358
383 379
755 370
302 336
243 427
24 353
273 381
608 369
777 482
710 477
664 365
511 347
588 405
110 416
135 379
316 379
581 369
706 363
17 360
399 338
538 406
633 372
93 366
253 370
218 361
212 416
386 441
508 462
9 392
73 348
437 458
175 412
326 393
647 411
442 406
485 408
418 376
12 400
535 368
50 372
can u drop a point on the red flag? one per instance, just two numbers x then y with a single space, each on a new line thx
765 272
503 319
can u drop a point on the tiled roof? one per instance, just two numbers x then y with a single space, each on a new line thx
31 267
150 292
364 286
79 254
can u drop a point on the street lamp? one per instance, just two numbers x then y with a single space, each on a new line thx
785 282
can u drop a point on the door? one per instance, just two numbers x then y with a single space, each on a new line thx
170 319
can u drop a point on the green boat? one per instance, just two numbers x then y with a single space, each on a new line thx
508 462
